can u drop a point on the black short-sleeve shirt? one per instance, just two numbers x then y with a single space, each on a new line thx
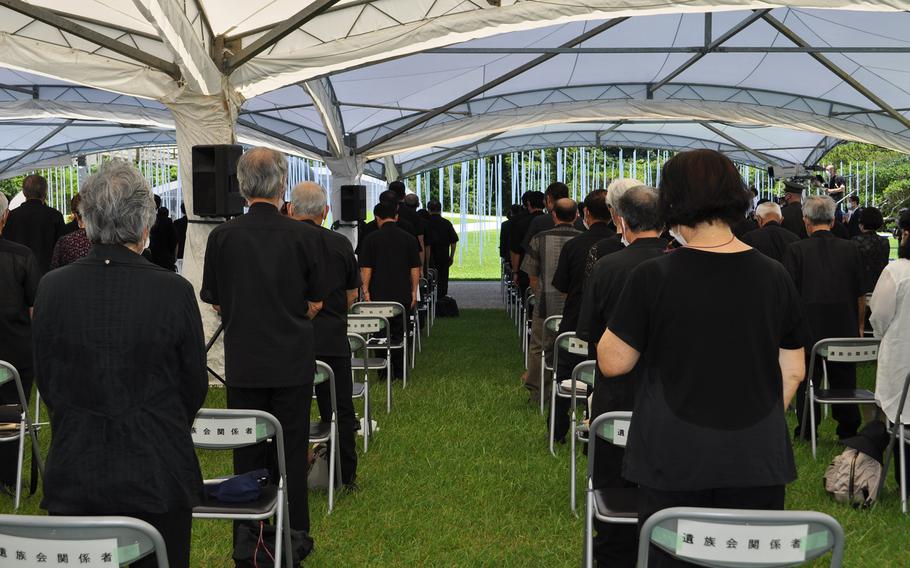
19 275
709 411
571 272
441 234
391 254
340 274
828 272
263 268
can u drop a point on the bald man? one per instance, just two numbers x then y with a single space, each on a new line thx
309 204
771 239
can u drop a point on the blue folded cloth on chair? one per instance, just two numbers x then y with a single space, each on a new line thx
242 488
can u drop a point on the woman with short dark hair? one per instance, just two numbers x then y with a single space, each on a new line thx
715 331
891 323
874 249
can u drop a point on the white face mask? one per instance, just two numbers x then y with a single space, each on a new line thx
622 225
678 236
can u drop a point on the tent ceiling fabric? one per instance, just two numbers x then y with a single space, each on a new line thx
662 69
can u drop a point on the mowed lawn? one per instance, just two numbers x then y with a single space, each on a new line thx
459 474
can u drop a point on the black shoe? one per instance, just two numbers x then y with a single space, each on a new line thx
349 488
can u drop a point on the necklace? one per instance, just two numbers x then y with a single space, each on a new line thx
713 246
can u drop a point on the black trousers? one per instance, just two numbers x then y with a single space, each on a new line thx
9 452
651 501
347 420
291 406
840 376
396 330
442 267
176 528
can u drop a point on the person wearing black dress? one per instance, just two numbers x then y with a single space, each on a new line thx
875 250
708 426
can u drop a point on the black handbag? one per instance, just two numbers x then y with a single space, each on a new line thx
254 546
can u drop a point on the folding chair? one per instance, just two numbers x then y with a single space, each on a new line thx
837 350
389 310
574 346
742 537
375 331
527 313
97 541
423 304
582 373
898 431
362 390
550 329
229 429
618 505
323 433
18 414
433 278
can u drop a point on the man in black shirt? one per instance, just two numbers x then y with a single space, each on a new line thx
555 191
342 280
505 229
534 203
180 225
792 210
163 239
770 239
390 271
828 273
444 242
407 212
836 186
570 280
34 224
19 274
263 272
390 198
638 216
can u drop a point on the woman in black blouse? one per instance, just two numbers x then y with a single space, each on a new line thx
716 331
874 249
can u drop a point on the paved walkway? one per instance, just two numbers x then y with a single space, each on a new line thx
476 294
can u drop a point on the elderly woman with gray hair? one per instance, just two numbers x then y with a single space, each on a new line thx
120 361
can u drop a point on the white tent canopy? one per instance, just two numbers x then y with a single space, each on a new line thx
397 86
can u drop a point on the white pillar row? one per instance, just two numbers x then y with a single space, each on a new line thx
201 119
346 170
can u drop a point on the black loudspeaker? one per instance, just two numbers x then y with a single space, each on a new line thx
353 203
216 192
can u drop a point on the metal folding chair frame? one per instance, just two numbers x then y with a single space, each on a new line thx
280 509
7 373
845 350
819 524
131 534
581 371
325 373
550 327
358 345
367 326
575 346
898 431
390 310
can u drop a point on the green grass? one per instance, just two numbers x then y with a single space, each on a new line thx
472 267
459 474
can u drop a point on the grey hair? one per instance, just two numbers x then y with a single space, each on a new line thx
262 173
639 210
309 199
117 205
617 187
819 209
4 204
768 209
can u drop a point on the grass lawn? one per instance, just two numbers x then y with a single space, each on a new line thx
459 474
472 267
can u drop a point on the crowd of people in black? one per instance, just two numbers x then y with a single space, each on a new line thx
699 329
114 337
700 305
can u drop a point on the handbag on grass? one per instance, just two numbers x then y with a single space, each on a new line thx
254 546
